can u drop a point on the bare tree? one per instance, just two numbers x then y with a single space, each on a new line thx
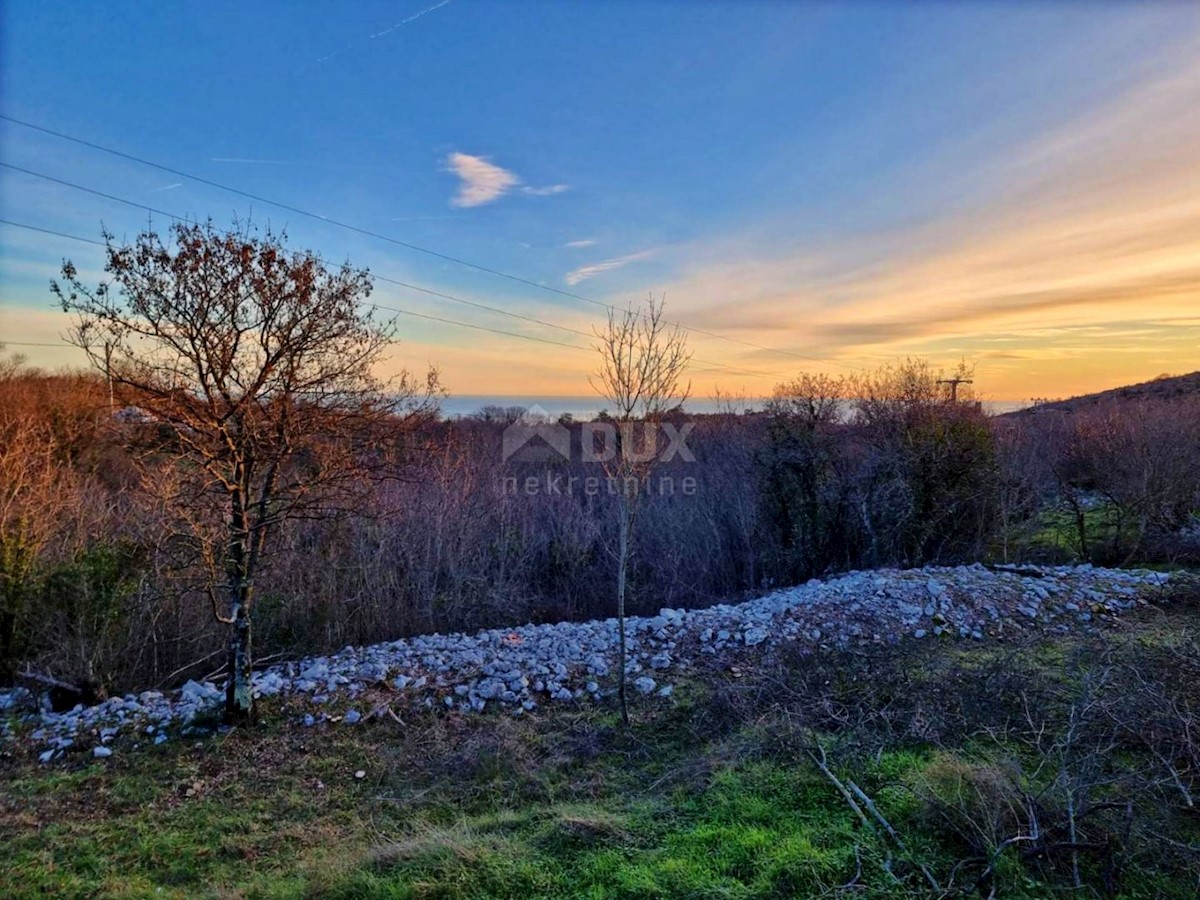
642 363
253 367
42 489
31 505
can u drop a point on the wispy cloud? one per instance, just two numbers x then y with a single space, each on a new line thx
546 191
485 182
583 273
247 161
411 18
577 245
166 187
482 181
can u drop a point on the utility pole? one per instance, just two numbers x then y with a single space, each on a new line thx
954 383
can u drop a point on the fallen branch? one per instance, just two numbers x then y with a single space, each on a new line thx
849 791
822 764
874 810
256 664
47 680
165 681
891 832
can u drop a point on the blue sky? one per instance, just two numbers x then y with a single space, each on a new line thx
851 182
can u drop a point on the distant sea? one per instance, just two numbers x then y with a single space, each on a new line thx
583 408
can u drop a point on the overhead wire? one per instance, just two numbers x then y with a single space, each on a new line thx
408 245
708 365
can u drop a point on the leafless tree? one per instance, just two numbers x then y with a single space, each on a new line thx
42 510
643 359
254 367
30 507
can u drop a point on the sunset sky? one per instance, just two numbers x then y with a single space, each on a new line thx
815 186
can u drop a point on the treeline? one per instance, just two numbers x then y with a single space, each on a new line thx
836 473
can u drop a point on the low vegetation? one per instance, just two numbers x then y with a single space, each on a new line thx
779 496
1066 765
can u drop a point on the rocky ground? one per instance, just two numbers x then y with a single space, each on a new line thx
520 668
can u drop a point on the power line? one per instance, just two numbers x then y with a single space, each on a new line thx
92 191
451 297
289 208
528 337
406 312
162 212
714 367
395 309
72 237
484 306
178 218
383 237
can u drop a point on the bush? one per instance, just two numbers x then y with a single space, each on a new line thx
89 603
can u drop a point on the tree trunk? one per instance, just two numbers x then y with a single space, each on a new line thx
8 647
1080 529
622 559
239 699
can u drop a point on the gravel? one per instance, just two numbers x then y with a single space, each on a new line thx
521 668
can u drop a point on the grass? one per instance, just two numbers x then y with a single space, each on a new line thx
221 819
754 830
711 795
1054 536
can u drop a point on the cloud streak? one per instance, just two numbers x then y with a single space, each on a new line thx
583 273
388 30
411 18
547 191
240 160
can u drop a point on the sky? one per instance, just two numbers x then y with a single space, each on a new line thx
811 186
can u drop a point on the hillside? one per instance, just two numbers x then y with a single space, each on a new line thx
899 767
531 665
1165 387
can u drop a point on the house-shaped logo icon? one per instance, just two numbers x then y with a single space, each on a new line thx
536 437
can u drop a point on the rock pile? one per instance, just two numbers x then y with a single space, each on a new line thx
521 668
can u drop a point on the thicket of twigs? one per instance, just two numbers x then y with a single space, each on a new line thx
95 586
